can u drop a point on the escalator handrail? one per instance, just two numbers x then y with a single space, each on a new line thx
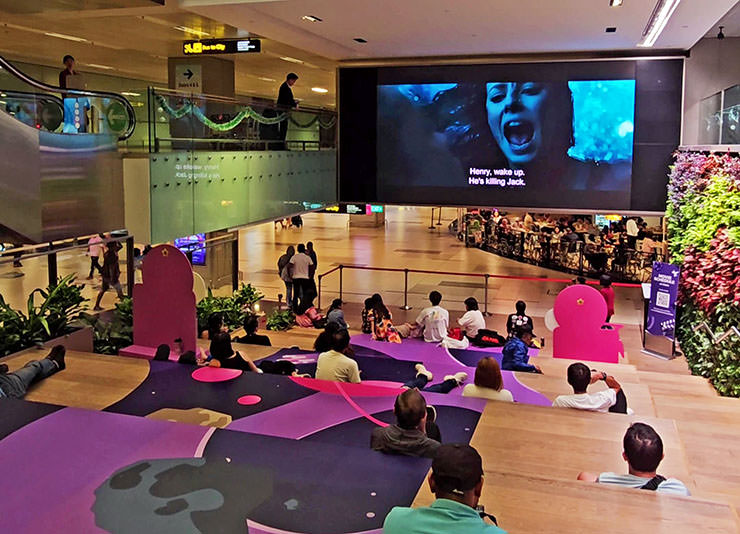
5 64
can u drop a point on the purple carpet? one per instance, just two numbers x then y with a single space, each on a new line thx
440 361
51 467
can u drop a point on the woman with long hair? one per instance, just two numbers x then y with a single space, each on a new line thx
382 322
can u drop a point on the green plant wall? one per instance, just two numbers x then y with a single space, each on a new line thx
704 232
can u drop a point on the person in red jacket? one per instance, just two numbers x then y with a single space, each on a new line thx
608 293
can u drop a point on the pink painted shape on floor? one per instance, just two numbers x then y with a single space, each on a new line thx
164 304
364 389
580 311
249 400
215 374
341 388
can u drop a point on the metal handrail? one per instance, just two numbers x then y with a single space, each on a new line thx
485 276
5 64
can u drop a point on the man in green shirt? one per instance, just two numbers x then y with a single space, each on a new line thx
457 481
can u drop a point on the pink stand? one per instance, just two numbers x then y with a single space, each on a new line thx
164 304
580 311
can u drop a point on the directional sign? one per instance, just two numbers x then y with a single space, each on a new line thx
221 46
189 78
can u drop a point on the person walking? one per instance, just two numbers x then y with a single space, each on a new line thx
111 273
94 248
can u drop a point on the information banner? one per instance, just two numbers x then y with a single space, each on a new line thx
661 318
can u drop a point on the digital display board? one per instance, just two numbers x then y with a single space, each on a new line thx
221 46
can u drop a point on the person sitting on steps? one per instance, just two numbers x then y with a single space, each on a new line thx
643 452
251 324
15 385
609 400
515 352
457 483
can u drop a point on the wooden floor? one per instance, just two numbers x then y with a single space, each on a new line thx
531 454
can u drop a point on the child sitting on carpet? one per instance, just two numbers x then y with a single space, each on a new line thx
381 322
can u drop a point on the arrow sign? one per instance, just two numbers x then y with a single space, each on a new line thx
188 74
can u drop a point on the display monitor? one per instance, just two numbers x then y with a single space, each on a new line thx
582 136
193 246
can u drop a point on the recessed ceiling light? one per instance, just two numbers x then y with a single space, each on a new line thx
265 79
616 3
360 40
311 18
319 90
67 37
193 31
611 29
290 59
98 66
658 20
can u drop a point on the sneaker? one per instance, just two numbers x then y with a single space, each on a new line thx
431 414
421 370
57 356
460 377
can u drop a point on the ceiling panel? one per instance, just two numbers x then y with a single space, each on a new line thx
136 42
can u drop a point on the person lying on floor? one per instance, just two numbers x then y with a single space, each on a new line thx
335 365
643 452
410 436
15 385
457 483
308 316
251 324
608 400
515 352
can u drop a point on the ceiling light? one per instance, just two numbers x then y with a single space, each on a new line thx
67 37
291 59
193 31
130 93
359 40
658 20
615 3
319 90
98 66
265 79
311 18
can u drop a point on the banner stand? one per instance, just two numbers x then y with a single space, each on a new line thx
660 314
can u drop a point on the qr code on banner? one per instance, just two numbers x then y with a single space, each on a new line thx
662 299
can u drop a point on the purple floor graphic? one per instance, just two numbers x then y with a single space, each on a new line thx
122 474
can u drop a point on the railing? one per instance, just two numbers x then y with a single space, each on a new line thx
576 257
185 121
103 101
486 277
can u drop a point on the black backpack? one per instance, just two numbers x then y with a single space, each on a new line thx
653 483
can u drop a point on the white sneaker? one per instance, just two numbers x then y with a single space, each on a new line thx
460 377
421 370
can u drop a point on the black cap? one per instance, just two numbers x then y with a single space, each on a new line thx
456 468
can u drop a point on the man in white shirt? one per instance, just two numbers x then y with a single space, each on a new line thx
434 320
643 452
472 321
580 377
301 270
632 231
334 365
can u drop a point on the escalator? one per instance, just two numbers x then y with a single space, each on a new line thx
61 173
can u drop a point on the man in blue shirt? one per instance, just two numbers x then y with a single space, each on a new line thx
457 481
515 352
